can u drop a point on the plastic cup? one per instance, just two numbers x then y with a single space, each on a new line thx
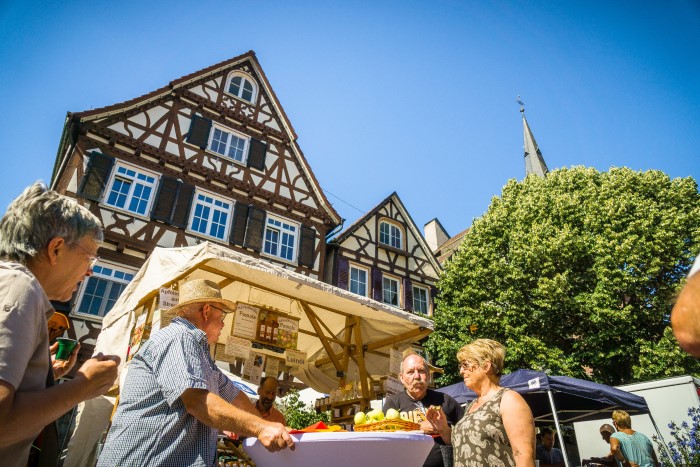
65 348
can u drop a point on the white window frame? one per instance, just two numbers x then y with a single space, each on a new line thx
241 91
394 229
359 269
426 291
282 231
215 204
385 278
104 270
136 179
215 141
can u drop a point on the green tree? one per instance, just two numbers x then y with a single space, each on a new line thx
575 270
297 414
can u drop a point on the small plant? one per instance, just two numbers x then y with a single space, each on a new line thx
685 447
297 414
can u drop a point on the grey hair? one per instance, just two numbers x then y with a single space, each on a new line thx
38 215
423 360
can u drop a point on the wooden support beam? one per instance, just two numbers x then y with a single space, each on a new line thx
359 347
313 319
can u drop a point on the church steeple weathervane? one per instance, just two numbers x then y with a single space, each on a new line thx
534 162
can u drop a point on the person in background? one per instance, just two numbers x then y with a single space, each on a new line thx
546 453
606 430
497 428
685 317
267 392
416 399
630 448
175 399
48 245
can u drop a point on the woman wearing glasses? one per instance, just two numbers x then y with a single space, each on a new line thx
497 427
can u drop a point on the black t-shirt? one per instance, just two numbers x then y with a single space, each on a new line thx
453 411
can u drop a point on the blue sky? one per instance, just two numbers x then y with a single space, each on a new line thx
416 97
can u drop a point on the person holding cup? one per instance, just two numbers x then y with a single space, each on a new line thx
48 244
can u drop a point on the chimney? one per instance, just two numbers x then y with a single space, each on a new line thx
435 234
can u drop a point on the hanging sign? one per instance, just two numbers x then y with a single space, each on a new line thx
252 369
393 385
295 357
168 298
237 347
395 359
245 321
272 367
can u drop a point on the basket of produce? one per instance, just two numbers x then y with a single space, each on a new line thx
375 421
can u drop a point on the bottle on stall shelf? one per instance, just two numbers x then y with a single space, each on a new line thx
275 330
268 329
263 328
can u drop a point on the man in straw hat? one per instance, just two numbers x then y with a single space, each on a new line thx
175 399
48 245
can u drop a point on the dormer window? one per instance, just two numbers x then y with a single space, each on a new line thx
391 235
241 86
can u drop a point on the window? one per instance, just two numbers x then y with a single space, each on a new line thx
390 234
131 189
280 238
358 280
390 291
420 300
210 215
228 143
241 86
102 289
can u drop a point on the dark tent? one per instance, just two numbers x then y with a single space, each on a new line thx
562 399
575 400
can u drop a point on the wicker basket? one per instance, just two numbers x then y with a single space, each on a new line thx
388 425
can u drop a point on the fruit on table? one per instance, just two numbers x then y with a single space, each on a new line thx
393 414
375 415
360 418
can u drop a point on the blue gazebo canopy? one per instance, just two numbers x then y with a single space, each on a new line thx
575 400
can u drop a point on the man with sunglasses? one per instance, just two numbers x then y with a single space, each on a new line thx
175 400
48 245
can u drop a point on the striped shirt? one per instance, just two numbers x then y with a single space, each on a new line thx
151 425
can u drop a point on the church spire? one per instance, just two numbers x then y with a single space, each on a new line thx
534 162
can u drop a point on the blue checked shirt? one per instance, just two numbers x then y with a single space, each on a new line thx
151 426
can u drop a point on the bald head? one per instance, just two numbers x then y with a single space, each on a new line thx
606 431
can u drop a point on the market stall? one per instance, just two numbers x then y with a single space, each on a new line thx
285 322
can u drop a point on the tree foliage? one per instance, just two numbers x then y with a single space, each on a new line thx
577 270
297 414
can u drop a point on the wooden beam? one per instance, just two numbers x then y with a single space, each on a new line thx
313 319
359 347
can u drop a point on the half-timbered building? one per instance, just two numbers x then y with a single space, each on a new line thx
210 156
384 256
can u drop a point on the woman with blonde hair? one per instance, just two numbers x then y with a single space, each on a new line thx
497 428
631 448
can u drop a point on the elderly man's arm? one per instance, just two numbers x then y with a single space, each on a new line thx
24 414
685 317
215 412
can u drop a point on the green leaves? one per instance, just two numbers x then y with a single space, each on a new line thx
297 414
575 272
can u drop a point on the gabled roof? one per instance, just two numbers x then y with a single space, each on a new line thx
342 236
184 81
449 248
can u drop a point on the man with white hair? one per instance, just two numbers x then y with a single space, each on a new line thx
175 399
685 317
48 245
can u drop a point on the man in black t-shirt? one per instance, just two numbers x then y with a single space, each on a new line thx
415 401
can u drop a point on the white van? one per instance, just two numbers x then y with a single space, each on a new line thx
668 400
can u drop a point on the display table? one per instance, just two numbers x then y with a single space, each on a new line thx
346 449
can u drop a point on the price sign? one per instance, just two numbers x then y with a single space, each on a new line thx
395 358
237 347
245 322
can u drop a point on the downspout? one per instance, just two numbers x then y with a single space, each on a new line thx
337 229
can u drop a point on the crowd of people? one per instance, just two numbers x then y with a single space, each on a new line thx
175 400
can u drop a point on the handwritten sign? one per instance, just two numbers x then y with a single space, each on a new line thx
393 385
295 357
272 367
237 347
245 322
395 358
169 298
220 354
252 369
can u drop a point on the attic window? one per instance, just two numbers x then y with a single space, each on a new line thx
390 234
241 86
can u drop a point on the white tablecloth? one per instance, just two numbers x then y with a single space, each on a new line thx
346 449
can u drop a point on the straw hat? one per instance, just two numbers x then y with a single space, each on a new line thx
202 290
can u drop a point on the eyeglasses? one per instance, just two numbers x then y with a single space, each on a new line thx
467 366
224 312
92 260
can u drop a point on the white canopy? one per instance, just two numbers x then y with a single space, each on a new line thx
333 324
